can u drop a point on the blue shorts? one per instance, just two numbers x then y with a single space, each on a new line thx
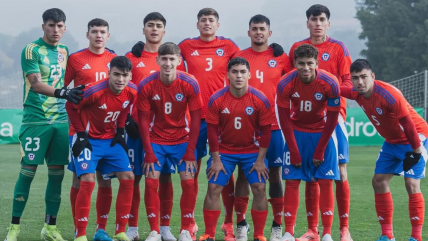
169 156
230 161
391 156
135 155
342 141
276 149
306 143
201 145
103 158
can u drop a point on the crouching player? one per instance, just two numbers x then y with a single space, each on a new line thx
404 149
236 117
99 122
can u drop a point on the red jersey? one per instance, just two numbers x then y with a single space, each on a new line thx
333 57
385 107
101 111
266 71
207 61
239 119
169 103
309 101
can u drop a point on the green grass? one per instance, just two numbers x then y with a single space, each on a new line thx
363 220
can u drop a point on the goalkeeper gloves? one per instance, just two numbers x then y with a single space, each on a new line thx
119 138
81 142
277 49
73 95
131 127
138 48
411 159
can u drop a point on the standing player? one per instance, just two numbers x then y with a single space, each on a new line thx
207 57
99 122
168 94
143 58
44 131
334 57
236 115
311 150
86 66
267 67
404 151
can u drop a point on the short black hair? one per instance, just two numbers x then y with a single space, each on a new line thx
98 22
238 61
207 12
54 14
316 10
169 48
154 16
306 51
122 63
259 18
360 64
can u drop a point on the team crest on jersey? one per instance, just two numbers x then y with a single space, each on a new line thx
325 56
179 97
84 166
379 110
108 65
318 96
31 156
272 63
249 110
336 101
286 171
219 52
60 57
125 104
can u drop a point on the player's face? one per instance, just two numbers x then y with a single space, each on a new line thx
306 69
207 25
118 79
238 76
154 30
98 36
53 31
318 25
363 81
168 63
259 33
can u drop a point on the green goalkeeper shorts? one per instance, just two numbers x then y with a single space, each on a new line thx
44 142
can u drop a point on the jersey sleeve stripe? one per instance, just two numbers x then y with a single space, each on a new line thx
284 82
132 85
191 81
29 51
185 40
385 94
95 88
78 51
259 95
333 83
146 80
344 48
217 95
223 38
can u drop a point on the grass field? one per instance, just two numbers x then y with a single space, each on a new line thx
363 220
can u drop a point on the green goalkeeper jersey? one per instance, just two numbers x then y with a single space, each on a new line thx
50 61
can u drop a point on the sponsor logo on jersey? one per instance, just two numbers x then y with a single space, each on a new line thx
84 166
318 96
156 97
296 95
108 66
272 63
219 52
87 66
195 53
325 56
140 65
379 110
103 107
31 156
286 171
179 97
125 104
226 111
249 110
60 57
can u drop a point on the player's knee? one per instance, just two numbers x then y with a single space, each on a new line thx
214 190
104 183
165 178
412 185
258 189
31 167
87 177
343 172
379 183
275 175
125 175
76 182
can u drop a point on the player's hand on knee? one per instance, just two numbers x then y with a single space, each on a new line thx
192 165
317 162
81 142
131 127
215 169
74 95
119 138
138 48
261 169
149 163
411 159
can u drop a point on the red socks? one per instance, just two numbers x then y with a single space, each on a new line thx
136 199
166 197
326 204
277 208
211 219
259 221
384 210
123 204
417 214
343 197
83 206
291 193
73 195
241 204
103 205
312 197
187 203
151 199
228 196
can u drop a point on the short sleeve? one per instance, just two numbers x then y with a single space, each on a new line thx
30 59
